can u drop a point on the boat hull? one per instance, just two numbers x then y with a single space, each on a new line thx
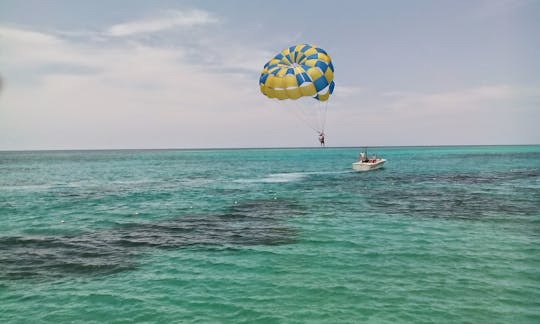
368 166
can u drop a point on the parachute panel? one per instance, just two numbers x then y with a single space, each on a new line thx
308 89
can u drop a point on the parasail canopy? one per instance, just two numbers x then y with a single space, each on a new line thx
298 71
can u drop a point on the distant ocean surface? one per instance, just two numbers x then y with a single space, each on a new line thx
439 235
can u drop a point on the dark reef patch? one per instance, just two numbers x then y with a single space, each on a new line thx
463 195
115 249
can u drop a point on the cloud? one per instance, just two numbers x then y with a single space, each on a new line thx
494 9
172 19
464 100
148 72
26 36
351 91
27 49
488 114
136 94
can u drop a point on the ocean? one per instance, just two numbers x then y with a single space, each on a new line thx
440 235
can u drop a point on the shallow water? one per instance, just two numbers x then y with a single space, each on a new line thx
441 234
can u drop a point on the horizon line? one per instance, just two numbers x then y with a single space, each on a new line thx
254 148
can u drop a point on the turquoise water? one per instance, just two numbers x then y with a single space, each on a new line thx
441 234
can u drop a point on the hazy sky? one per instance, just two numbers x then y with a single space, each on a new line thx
184 74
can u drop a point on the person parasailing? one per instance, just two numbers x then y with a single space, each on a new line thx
321 138
301 73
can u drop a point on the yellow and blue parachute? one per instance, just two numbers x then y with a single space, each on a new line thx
298 71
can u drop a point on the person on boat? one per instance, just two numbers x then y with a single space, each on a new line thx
362 157
321 138
374 158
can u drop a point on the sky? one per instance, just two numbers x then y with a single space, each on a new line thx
185 74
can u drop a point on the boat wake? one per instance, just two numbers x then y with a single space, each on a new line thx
288 177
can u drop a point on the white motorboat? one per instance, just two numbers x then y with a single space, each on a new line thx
365 164
368 165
